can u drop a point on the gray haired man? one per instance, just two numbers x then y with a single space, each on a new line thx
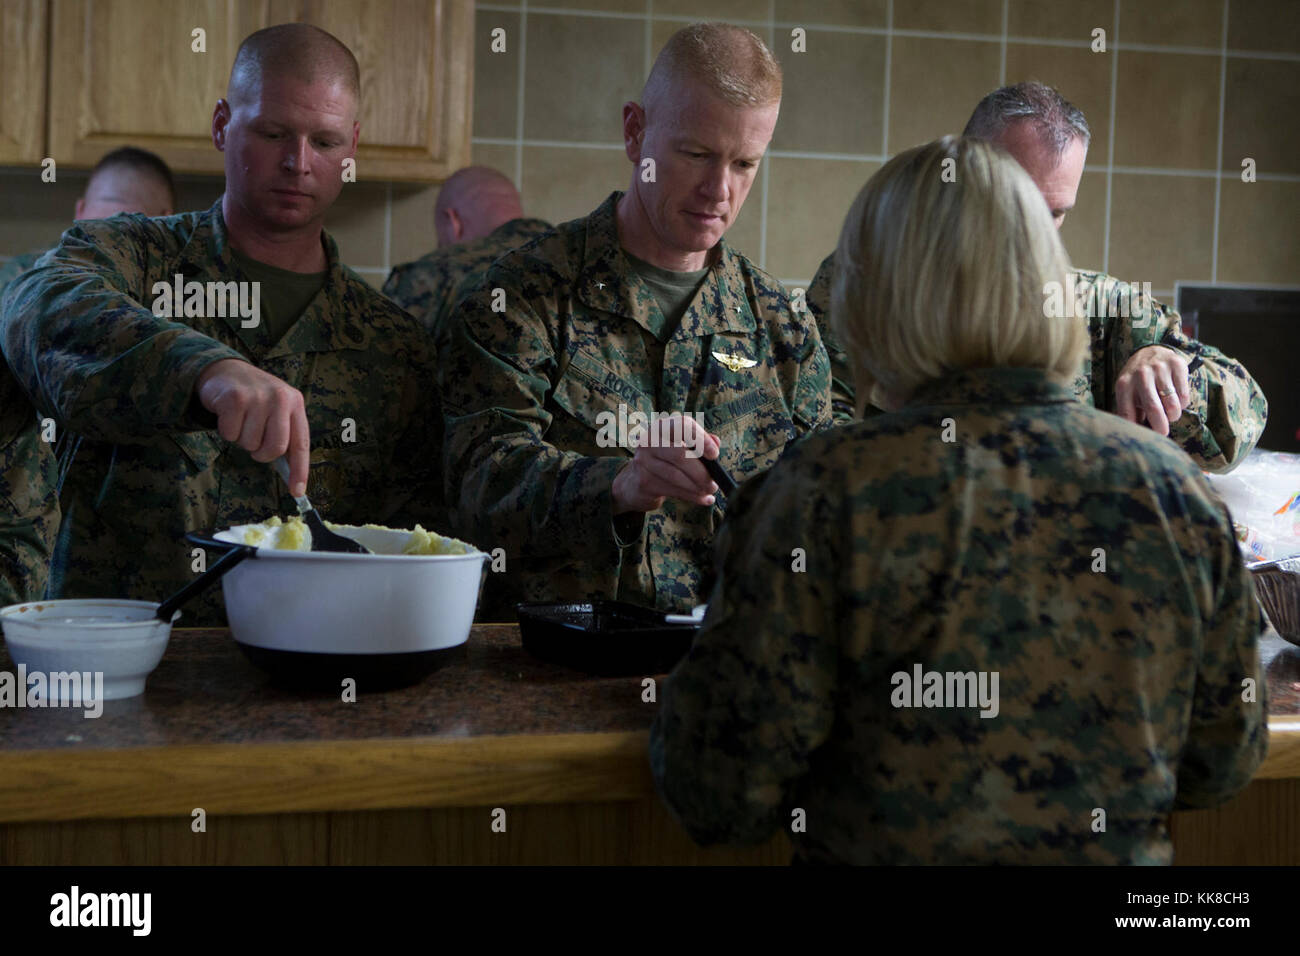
1140 366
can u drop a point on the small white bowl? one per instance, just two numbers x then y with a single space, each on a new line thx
123 640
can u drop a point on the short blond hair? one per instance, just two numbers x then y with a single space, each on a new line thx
728 60
943 266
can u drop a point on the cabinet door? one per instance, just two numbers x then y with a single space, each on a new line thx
125 71
23 33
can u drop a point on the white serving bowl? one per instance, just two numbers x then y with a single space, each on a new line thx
327 603
121 639
386 619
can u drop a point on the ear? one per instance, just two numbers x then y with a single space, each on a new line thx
220 121
633 130
356 137
81 204
455 225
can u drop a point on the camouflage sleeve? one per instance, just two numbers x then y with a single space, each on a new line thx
505 484
29 505
408 286
15 267
843 393
741 715
1227 738
87 349
441 312
1228 410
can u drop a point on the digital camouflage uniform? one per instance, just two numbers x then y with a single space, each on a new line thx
1228 410
526 393
29 504
1119 689
81 337
13 268
427 288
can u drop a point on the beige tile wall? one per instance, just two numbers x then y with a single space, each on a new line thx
882 75
1190 98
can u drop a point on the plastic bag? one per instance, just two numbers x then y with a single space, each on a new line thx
1263 494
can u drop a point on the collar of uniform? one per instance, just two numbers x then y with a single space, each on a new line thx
522 226
992 386
608 282
323 325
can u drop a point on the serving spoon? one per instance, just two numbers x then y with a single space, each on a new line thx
322 538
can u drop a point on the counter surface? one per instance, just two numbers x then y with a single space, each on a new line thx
492 726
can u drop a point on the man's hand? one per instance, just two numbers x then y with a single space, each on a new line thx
1152 387
263 414
667 465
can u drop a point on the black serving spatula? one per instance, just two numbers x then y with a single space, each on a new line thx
322 538
236 554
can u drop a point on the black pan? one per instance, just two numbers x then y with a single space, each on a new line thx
607 638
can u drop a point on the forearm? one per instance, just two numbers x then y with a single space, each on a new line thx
1228 410
95 359
510 488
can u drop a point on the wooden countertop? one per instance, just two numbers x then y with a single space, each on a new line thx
493 728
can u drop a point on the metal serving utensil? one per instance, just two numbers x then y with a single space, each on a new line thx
322 538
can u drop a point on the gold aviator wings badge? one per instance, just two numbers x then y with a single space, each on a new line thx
734 362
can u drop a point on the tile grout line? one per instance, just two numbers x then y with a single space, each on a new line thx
388 227
1002 53
649 35
881 158
1218 161
519 105
918 34
1110 142
766 169
889 68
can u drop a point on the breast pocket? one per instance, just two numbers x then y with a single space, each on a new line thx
347 482
200 450
592 410
755 428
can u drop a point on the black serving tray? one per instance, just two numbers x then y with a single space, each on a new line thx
607 638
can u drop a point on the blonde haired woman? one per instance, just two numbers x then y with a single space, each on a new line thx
954 633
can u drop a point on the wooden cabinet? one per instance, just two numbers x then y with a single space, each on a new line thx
126 71
23 33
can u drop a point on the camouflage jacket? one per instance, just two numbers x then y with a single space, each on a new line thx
427 288
29 504
1078 557
532 395
13 268
1228 410
82 338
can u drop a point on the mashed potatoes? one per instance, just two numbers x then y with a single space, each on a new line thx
294 535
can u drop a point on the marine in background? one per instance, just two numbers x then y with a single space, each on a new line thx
478 217
126 180
1139 364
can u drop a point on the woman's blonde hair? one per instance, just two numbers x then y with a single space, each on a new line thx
945 262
